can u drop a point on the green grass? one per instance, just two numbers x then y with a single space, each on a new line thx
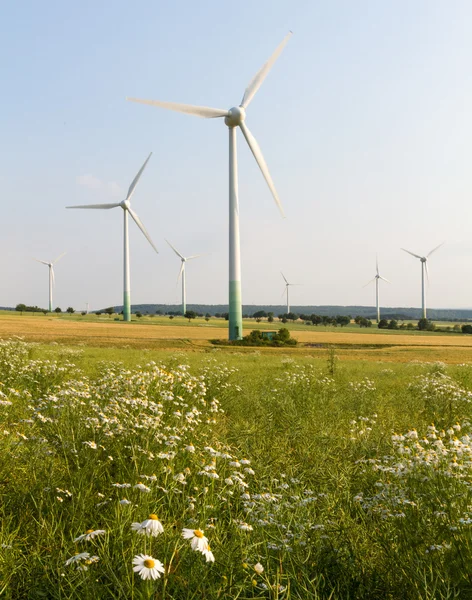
336 507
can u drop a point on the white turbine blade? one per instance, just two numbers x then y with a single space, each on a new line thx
284 292
136 179
59 258
175 250
434 249
412 253
182 266
41 261
137 220
193 256
285 279
52 275
383 279
259 77
369 282
254 146
377 263
105 206
426 271
189 109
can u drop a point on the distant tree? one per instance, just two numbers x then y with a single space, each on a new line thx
109 311
467 329
270 317
207 319
70 310
218 315
171 317
292 316
343 320
315 319
283 319
259 314
58 309
393 324
363 322
258 320
44 311
158 312
83 313
226 316
410 326
357 319
138 314
208 315
20 307
426 325
383 324
457 328
98 313
325 320
190 314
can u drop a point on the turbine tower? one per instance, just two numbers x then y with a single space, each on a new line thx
424 269
287 285
125 205
376 279
233 118
183 260
51 275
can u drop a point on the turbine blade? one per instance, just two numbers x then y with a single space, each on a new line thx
136 179
434 249
377 263
412 253
52 275
426 271
259 77
283 293
59 258
137 220
285 279
175 250
254 146
105 206
41 261
383 279
193 256
189 109
369 282
182 267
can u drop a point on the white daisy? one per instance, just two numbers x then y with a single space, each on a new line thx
77 558
258 568
147 567
90 534
125 501
198 540
208 554
141 487
151 526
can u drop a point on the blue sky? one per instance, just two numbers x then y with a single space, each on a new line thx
365 123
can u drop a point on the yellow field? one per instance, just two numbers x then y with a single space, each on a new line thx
350 345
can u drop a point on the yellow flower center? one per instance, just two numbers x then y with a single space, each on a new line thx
197 533
153 517
89 531
149 563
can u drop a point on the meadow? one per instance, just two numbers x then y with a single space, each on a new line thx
322 472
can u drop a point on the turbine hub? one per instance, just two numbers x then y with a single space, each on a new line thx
423 259
124 204
236 116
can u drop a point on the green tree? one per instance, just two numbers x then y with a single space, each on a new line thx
190 314
383 324
426 325
270 317
109 311
58 309
70 310
20 307
466 328
393 324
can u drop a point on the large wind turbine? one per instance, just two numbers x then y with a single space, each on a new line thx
125 205
183 260
376 279
287 285
424 268
51 275
234 117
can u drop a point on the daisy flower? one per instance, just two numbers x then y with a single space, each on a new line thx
208 554
258 568
77 558
151 526
90 534
147 567
198 541
141 487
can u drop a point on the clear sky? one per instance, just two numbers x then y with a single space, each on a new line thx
365 122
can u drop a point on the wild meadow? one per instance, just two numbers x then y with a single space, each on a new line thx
232 475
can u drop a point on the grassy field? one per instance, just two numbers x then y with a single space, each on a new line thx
311 476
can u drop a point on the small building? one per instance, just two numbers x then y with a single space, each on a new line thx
268 335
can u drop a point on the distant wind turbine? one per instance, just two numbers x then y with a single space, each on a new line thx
234 117
376 279
287 285
51 275
125 205
424 268
183 260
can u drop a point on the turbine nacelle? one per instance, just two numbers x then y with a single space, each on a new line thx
125 204
236 116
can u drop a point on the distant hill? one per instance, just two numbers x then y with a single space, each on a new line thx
399 313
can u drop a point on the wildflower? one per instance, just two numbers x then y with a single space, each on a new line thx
198 540
208 554
258 568
245 527
92 445
151 526
190 448
147 567
90 534
142 488
77 558
125 501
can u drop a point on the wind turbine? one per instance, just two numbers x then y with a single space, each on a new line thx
125 205
183 260
233 118
376 279
51 275
287 285
424 268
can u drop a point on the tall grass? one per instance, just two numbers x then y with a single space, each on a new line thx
344 482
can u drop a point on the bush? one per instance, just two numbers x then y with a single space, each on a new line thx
467 329
383 324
